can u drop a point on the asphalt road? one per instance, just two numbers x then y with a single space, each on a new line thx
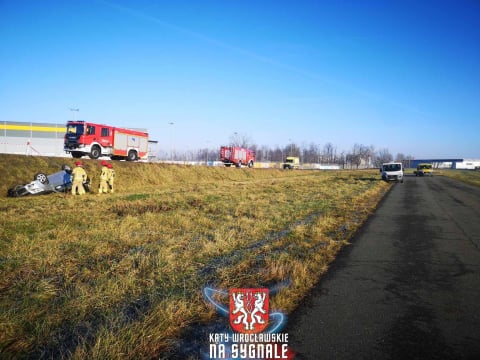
409 285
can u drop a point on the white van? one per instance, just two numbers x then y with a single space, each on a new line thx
392 171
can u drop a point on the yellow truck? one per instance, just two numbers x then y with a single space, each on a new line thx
424 169
291 162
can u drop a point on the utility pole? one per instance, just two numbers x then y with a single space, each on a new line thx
206 157
171 140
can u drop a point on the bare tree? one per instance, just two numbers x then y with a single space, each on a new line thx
327 155
342 159
242 140
405 159
277 154
368 155
292 150
383 155
310 154
264 153
355 156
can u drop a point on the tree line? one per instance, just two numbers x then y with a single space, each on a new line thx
359 156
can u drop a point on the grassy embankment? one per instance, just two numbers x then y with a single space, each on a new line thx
120 275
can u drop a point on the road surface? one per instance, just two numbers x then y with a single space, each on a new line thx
409 285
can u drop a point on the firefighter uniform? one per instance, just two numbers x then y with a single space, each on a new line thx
103 188
111 177
79 175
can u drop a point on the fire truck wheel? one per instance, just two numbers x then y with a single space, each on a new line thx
250 164
239 163
95 152
132 156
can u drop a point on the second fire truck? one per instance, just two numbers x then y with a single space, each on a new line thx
237 156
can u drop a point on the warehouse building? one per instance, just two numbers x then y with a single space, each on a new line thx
32 138
460 164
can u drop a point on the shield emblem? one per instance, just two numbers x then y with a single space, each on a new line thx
249 310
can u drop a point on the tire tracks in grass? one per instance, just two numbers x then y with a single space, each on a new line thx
191 340
341 233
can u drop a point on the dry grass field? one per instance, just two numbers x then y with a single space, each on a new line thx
119 276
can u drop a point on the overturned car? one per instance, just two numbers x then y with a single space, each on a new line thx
45 184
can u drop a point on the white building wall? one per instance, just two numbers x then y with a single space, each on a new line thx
468 164
32 138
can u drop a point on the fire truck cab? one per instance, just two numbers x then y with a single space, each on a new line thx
96 140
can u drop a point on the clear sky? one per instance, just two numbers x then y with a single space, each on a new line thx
402 75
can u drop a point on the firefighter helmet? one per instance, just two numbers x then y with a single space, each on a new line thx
104 163
109 166
78 163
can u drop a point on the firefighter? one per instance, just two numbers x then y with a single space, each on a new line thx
111 176
103 188
79 175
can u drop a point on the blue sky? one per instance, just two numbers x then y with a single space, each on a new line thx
402 75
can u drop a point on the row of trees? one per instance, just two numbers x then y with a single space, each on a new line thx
359 156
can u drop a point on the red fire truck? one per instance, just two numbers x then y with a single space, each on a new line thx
95 140
238 156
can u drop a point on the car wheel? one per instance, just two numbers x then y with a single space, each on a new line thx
41 177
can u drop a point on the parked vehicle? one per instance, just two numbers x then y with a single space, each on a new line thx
291 162
392 171
46 184
95 140
424 169
237 156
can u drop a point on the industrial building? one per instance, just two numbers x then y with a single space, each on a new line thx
32 138
460 164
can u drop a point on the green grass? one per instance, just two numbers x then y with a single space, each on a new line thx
120 275
467 176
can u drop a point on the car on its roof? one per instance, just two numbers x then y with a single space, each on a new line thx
45 184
